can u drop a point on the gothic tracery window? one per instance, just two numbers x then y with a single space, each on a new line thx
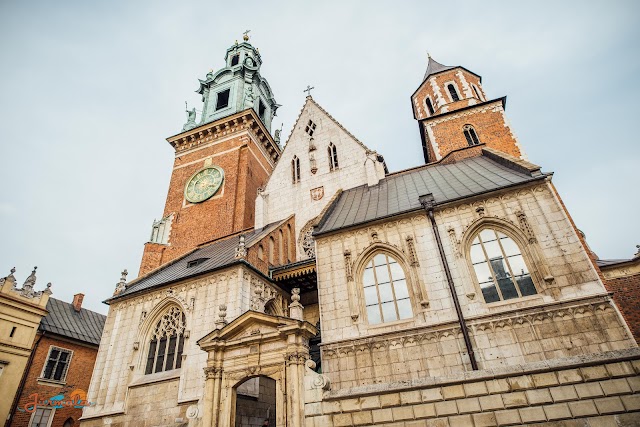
167 342
453 92
311 128
500 267
471 135
386 293
333 156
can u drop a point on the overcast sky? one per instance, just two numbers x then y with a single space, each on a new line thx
90 90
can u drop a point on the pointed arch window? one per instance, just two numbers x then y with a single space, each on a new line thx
290 243
167 342
386 294
453 92
471 135
295 169
333 156
499 266
427 101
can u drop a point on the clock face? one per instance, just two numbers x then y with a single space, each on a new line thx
204 184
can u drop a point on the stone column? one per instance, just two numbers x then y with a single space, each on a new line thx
211 406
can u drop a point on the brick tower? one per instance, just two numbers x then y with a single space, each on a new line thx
454 112
220 161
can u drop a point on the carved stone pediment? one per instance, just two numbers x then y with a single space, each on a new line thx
254 326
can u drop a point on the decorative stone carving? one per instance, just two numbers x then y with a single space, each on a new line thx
320 381
27 288
213 372
192 412
348 265
172 323
524 225
241 250
222 313
480 211
317 193
307 241
122 284
296 310
413 257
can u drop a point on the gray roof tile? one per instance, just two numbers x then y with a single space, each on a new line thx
217 255
399 193
63 319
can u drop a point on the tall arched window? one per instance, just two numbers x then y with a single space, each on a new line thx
386 294
295 169
499 267
453 92
260 252
281 247
167 342
272 250
470 135
333 156
429 106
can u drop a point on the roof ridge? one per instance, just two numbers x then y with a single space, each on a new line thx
68 303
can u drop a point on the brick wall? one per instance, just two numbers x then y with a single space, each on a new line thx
445 133
230 210
626 294
78 377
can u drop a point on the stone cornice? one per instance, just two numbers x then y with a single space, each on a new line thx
244 120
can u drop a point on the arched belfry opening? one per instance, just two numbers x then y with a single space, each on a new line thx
255 402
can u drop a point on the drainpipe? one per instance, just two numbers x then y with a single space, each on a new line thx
23 380
428 203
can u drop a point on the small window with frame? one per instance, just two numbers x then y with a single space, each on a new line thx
57 365
222 100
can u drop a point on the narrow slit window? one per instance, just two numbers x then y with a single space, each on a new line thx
470 135
453 92
235 59
223 99
333 156
13 331
295 169
429 106
261 109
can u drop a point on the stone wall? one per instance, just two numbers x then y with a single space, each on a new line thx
593 390
571 313
623 280
124 345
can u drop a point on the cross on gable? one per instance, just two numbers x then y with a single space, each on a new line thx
308 90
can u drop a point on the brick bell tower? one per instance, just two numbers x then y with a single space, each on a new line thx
454 112
220 161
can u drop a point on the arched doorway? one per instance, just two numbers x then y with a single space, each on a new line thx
256 402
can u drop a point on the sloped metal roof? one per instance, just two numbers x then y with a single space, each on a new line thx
217 255
434 67
399 193
84 325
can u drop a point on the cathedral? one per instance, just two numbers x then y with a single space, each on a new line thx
301 283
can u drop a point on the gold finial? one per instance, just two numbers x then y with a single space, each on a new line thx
428 54
245 35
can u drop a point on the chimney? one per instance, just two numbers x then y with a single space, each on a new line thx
77 302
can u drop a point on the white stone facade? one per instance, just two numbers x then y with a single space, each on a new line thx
570 315
119 370
357 165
